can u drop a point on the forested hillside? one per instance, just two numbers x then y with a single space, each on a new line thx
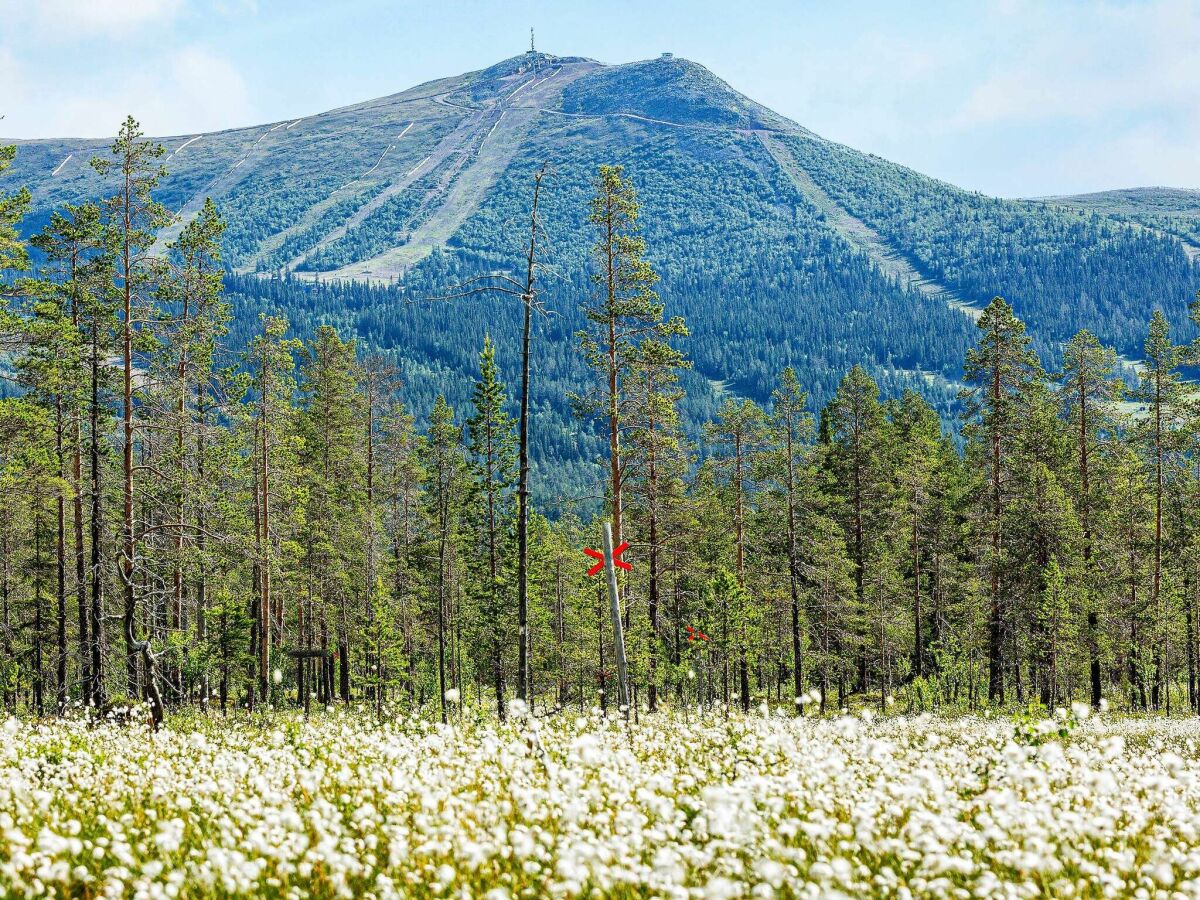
1171 211
1059 270
203 505
779 247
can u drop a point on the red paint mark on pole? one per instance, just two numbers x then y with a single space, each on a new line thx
619 563
594 554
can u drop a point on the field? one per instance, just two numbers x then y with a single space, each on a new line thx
673 806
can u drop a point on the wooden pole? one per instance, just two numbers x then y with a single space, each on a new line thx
614 604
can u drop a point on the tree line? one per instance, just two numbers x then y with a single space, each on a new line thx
190 521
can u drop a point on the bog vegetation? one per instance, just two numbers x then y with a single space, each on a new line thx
195 521
684 804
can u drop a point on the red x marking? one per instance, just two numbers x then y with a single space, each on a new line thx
619 563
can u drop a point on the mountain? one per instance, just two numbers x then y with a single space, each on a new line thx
1172 211
778 246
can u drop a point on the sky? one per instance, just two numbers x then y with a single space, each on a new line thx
1008 97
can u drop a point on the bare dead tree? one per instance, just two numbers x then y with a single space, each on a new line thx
527 292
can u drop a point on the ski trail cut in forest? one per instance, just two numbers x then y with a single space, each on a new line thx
218 187
378 162
313 214
1190 250
451 143
489 140
186 143
858 233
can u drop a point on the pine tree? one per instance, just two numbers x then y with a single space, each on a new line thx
188 364
792 433
737 438
1000 369
72 243
1164 393
131 219
625 311
13 207
658 462
1089 389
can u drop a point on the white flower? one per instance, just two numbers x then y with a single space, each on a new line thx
733 805
452 695
277 676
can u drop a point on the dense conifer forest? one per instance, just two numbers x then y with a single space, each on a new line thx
216 493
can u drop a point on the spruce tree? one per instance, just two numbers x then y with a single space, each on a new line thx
334 476
492 445
270 431
857 460
447 481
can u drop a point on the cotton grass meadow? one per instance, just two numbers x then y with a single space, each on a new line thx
672 806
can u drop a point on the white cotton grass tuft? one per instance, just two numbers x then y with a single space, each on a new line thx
731 805
453 695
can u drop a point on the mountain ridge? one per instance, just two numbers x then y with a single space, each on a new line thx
780 247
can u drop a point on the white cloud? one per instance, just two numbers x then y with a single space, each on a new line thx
1020 97
13 88
209 92
68 20
1086 63
193 90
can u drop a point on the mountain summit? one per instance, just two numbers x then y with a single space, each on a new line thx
778 246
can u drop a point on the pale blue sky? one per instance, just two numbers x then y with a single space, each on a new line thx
1008 97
